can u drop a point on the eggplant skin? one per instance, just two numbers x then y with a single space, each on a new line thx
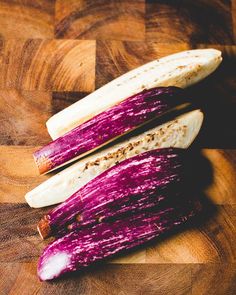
81 248
107 126
135 184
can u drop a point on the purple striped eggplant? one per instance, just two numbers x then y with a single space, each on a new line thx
107 126
84 247
135 184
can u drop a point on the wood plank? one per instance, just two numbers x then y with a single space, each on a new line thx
114 19
136 256
198 279
102 280
197 259
23 115
27 19
36 64
221 187
189 21
19 237
18 173
214 279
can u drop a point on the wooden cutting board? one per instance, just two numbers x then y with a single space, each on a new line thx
53 53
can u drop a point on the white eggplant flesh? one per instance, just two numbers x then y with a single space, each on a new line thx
182 69
178 133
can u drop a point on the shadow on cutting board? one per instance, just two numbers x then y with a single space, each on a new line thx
216 96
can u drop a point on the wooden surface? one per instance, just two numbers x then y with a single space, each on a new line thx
54 52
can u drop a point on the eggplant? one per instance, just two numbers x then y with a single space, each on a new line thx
81 248
179 133
107 126
181 69
132 185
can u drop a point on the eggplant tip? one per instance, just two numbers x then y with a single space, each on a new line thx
51 267
44 228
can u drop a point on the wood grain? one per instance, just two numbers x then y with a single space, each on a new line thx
179 279
214 279
189 21
102 19
103 280
221 187
20 226
18 173
47 65
23 115
26 19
